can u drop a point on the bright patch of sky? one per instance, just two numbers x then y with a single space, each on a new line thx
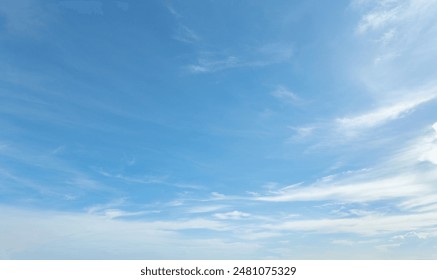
218 129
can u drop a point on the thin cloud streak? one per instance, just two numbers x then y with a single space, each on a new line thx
401 178
186 35
75 235
234 215
385 114
368 225
376 190
285 95
260 57
183 33
394 13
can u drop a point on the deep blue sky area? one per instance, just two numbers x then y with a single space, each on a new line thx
218 129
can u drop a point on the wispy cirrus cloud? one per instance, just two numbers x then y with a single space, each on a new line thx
172 9
75 235
402 35
111 210
205 208
57 180
210 60
284 94
186 35
368 225
182 32
234 215
396 70
163 180
265 55
302 133
366 191
378 19
400 177
389 109
404 184
401 182
388 113
205 65
388 13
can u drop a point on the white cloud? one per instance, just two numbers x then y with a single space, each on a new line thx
343 242
401 177
399 37
234 215
368 225
150 180
418 150
198 68
406 185
211 65
386 14
302 132
172 9
256 235
111 210
183 33
257 57
395 67
393 106
384 114
117 213
387 37
387 247
284 94
101 207
186 35
140 180
419 235
217 196
377 19
418 203
176 225
56 235
83 182
371 190
428 147
205 209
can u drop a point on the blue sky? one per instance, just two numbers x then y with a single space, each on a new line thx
218 129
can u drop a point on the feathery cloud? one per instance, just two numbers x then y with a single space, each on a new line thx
285 95
234 215
258 57
383 115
